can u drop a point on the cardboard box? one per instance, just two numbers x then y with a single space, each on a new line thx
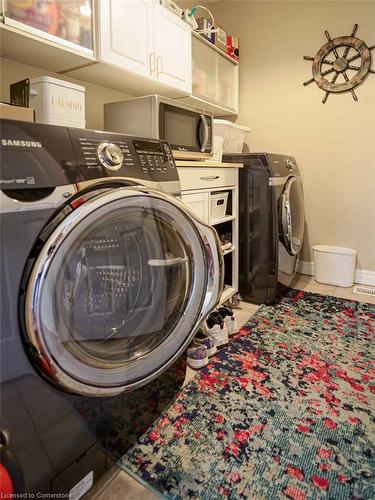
9 112
58 102
220 39
233 47
205 24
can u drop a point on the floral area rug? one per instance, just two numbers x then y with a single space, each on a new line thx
286 411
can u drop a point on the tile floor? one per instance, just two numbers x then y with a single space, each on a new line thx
117 485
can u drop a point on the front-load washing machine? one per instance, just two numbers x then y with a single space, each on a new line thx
105 278
271 222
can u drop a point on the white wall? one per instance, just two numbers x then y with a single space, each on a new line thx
96 96
334 143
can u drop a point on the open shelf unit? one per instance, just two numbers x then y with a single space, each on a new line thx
217 205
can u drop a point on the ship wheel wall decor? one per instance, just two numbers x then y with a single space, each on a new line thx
345 50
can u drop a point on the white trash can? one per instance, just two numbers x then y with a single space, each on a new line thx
334 265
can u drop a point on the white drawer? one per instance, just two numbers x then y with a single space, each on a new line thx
200 178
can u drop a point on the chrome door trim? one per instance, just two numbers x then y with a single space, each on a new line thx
35 338
286 217
215 255
215 284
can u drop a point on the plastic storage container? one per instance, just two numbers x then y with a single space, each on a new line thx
334 265
234 142
218 206
57 102
228 138
220 132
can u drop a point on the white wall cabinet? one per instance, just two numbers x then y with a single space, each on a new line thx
142 37
172 49
198 185
32 32
140 47
214 79
125 34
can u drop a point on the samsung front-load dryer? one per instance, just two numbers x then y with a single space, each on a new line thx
271 222
104 282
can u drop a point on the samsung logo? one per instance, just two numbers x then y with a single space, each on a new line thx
21 144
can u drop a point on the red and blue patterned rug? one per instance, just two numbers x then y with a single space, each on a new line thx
286 411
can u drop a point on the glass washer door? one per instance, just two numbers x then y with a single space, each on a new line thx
292 216
115 292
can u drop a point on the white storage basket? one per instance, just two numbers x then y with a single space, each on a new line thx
219 203
57 102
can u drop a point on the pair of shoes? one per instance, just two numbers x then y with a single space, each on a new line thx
216 329
229 319
202 348
220 324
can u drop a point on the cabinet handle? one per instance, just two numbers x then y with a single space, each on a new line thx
210 177
152 62
158 66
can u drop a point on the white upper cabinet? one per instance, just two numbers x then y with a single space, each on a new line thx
125 31
142 37
214 79
135 46
172 47
69 24
54 35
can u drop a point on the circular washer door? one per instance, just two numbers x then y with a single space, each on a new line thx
115 293
292 216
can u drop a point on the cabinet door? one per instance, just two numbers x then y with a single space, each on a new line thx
172 39
126 34
68 24
228 83
205 70
198 203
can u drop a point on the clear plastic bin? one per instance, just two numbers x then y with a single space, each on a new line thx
236 137
228 137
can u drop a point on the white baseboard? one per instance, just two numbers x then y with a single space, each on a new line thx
362 277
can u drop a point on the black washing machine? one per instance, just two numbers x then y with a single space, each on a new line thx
105 278
271 222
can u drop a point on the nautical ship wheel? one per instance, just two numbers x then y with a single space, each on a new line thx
339 53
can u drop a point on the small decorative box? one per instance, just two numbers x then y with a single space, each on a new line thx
57 102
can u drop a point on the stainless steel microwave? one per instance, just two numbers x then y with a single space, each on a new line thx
187 129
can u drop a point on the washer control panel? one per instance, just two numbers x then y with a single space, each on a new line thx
76 155
123 155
